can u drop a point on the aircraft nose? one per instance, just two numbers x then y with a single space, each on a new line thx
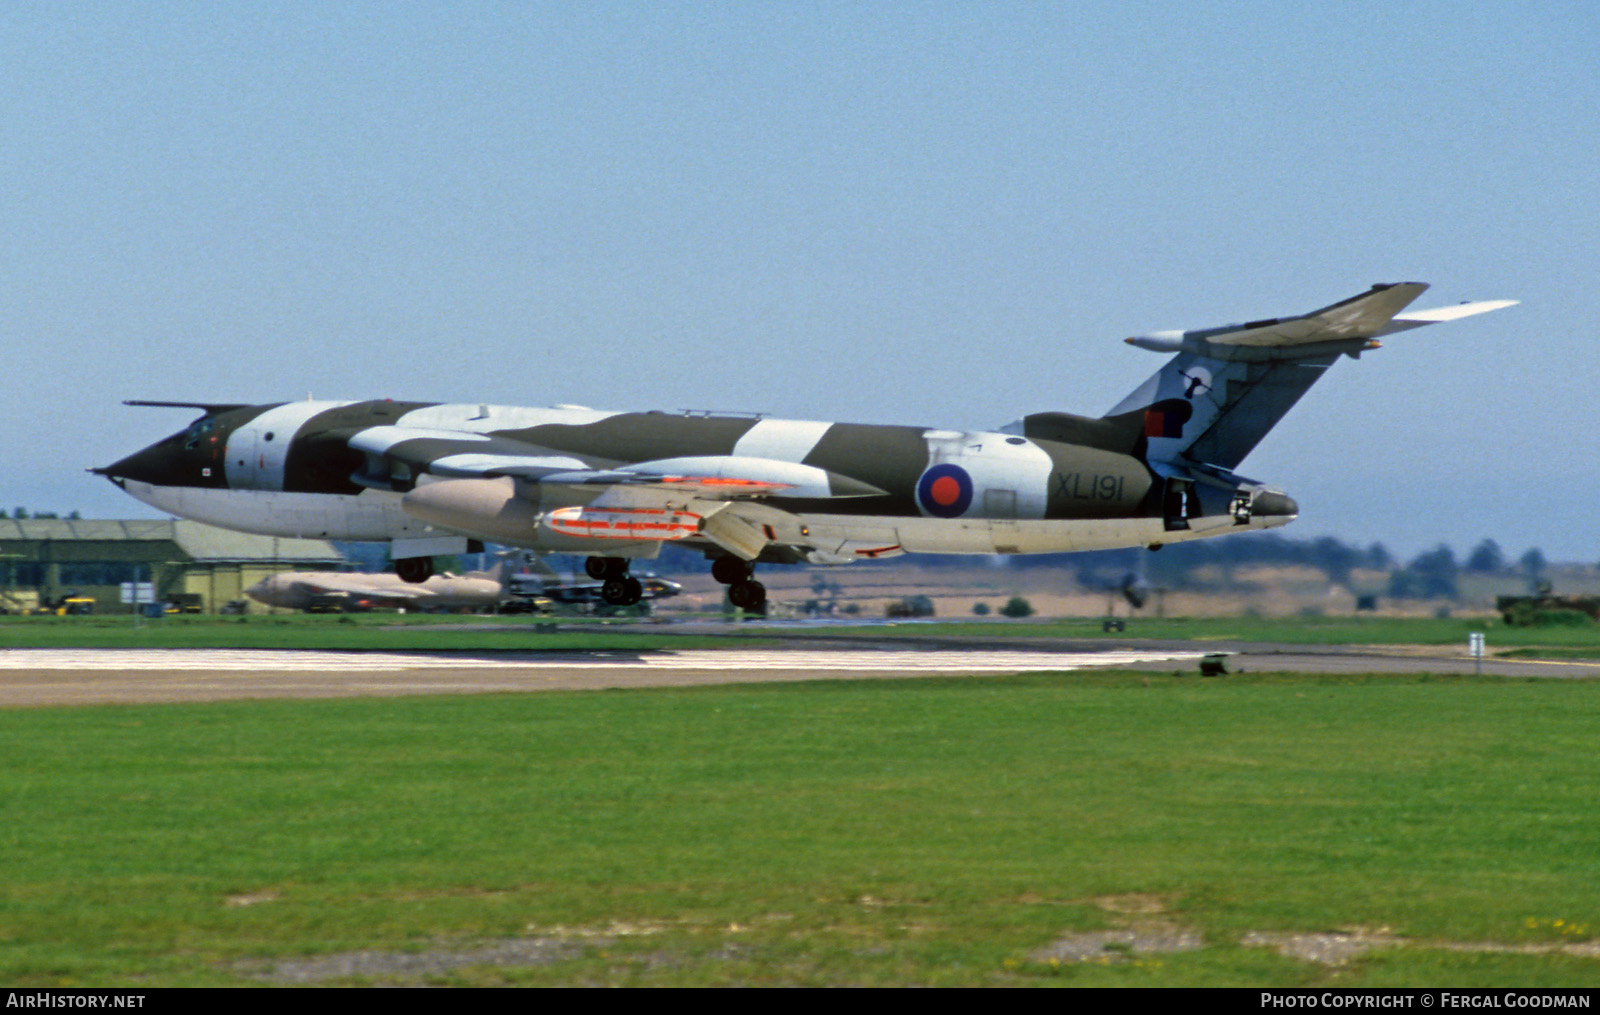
264 591
155 465
1274 504
178 460
138 466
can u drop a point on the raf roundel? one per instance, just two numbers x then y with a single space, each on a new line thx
945 491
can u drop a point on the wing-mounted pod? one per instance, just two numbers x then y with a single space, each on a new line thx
629 510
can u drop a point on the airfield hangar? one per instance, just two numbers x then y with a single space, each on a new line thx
44 559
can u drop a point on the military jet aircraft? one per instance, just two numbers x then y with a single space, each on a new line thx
436 478
299 590
540 579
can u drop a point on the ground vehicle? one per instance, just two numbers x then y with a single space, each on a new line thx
71 604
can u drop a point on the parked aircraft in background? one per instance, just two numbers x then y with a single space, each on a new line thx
435 478
540 579
301 590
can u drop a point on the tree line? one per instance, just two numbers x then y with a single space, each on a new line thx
1434 573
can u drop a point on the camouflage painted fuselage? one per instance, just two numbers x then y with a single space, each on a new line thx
617 485
308 469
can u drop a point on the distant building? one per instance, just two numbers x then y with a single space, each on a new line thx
42 559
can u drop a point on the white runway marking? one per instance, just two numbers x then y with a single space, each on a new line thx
752 660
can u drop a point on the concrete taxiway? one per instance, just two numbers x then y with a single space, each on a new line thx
46 677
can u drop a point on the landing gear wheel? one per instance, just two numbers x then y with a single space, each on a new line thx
414 569
621 591
730 570
748 595
605 568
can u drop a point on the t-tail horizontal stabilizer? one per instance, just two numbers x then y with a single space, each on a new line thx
1216 399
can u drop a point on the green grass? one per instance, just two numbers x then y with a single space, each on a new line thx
904 832
1299 630
520 633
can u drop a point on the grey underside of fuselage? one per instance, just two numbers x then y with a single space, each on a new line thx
342 470
375 515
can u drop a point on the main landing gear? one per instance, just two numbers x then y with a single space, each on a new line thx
619 588
743 590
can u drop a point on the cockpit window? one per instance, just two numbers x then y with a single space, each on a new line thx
197 431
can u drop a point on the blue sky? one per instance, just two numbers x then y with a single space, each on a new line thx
941 214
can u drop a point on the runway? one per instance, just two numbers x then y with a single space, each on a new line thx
43 677
50 677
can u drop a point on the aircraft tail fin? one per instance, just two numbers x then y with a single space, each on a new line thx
536 563
509 563
1216 399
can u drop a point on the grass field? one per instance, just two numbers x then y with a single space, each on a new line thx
1297 630
519 633
945 831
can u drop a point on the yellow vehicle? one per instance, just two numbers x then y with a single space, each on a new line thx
69 605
